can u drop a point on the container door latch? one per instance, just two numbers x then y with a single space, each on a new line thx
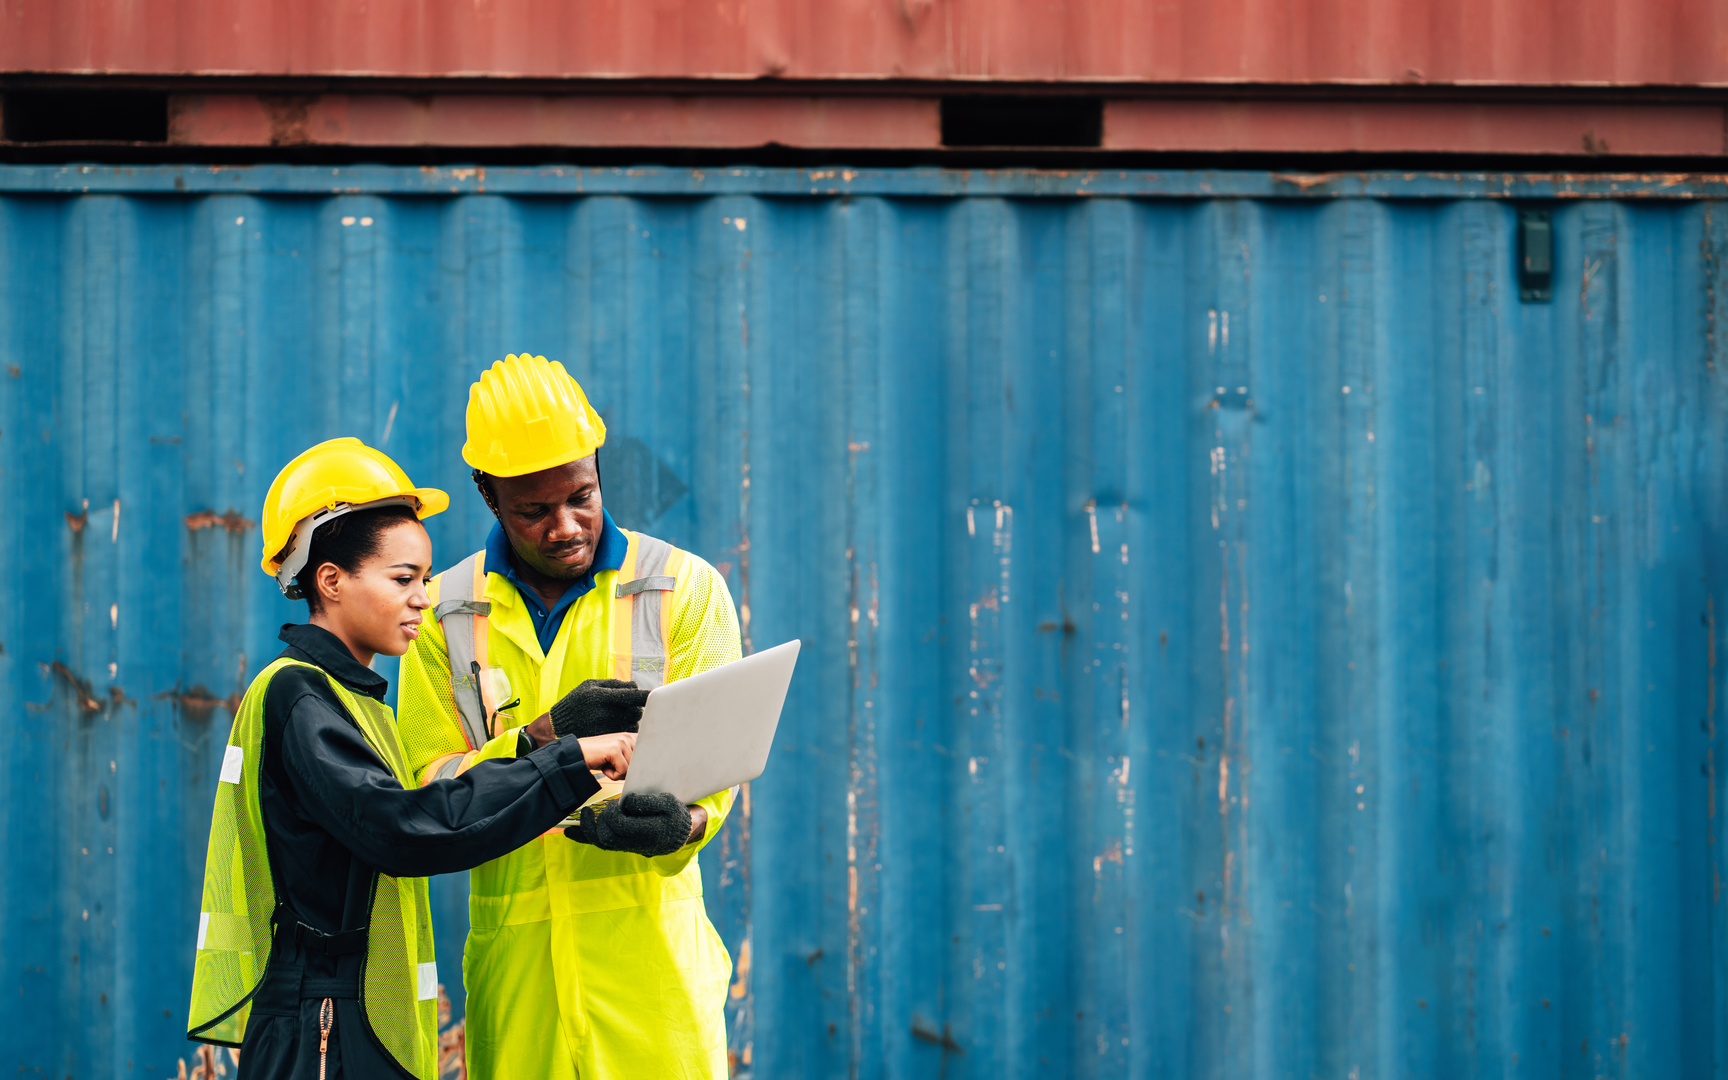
1535 256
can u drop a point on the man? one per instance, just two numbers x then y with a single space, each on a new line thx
555 620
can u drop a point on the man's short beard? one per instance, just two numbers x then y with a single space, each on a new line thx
563 573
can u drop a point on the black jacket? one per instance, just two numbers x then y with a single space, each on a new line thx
334 817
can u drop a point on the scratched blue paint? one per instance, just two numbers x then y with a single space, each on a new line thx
1242 638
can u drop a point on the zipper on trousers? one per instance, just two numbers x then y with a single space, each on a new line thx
326 1021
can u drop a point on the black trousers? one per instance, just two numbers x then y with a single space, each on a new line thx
282 1033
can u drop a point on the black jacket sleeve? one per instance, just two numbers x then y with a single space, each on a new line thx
448 825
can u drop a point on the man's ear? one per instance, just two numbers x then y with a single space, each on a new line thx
482 481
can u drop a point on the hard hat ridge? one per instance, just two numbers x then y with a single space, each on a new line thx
526 414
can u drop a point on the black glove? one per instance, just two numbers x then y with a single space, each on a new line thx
598 707
641 824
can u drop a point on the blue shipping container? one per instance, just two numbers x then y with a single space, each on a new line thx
1243 638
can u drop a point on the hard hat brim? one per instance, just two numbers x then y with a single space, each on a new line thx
427 501
493 467
432 501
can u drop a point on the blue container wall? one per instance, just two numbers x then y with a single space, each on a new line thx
1242 638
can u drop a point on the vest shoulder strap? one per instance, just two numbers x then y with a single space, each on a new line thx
371 716
641 616
464 615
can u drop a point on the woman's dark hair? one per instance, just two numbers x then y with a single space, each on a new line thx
347 541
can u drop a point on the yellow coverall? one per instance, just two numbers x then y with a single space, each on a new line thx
612 950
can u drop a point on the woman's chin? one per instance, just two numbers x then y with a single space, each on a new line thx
396 646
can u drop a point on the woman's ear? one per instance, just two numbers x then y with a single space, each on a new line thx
329 581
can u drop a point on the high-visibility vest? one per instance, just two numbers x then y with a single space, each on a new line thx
641 637
613 950
236 926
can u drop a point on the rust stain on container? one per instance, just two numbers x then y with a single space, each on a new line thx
80 688
199 703
232 521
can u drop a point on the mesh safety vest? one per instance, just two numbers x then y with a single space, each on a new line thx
399 983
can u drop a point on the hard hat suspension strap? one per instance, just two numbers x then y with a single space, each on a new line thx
300 543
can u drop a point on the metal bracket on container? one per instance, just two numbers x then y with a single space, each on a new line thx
1535 256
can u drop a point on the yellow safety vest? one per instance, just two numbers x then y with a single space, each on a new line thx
612 949
398 992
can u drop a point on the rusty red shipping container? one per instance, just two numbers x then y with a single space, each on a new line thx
1469 42
911 122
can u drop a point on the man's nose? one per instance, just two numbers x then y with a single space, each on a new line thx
566 525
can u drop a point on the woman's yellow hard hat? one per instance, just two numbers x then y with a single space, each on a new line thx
526 414
327 481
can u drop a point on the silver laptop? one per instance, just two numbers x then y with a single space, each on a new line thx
706 733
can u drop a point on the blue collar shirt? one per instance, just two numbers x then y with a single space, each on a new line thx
608 555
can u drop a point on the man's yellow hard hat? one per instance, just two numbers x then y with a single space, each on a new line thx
327 481
526 414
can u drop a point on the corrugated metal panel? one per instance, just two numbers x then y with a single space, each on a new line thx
1385 41
1242 638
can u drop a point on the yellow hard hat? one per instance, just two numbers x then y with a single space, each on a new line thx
327 481
526 414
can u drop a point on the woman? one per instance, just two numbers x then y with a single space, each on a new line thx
315 940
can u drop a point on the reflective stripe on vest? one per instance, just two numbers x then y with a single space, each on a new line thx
450 766
237 924
465 620
641 623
